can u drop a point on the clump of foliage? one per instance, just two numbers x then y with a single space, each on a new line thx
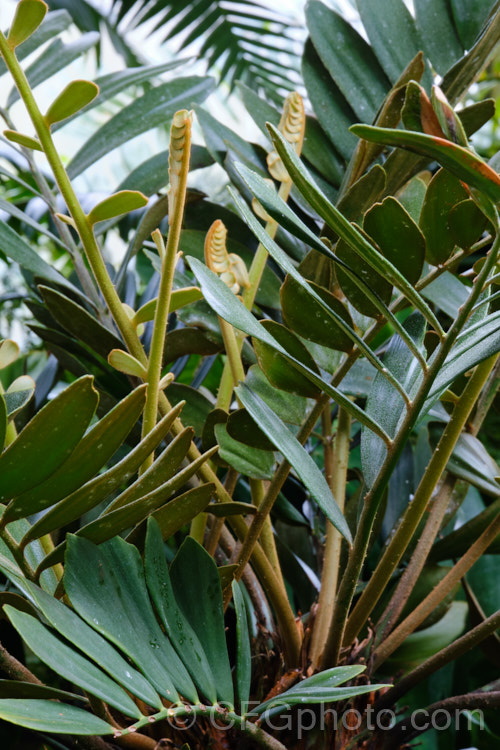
252 469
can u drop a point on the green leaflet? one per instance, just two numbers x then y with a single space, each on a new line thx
443 193
91 453
276 367
75 319
177 627
163 469
345 229
251 462
144 113
48 439
194 570
306 317
109 524
364 84
73 98
178 298
392 34
113 83
384 404
117 204
291 409
27 18
332 110
475 344
50 716
439 38
320 688
98 489
282 259
70 664
76 631
54 58
18 395
296 455
224 302
398 237
123 612
243 653
178 512
459 160
20 252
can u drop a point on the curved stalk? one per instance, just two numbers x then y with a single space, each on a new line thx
83 227
405 731
405 531
374 496
267 536
252 731
336 462
444 587
439 660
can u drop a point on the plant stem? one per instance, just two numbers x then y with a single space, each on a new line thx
232 348
439 660
275 485
14 669
404 731
218 523
84 229
259 261
374 497
86 281
253 732
443 588
267 536
414 514
336 472
178 172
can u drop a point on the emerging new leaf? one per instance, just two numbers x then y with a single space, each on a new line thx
292 126
448 119
178 158
229 266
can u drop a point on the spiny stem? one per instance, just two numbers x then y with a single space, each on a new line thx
405 531
444 587
336 462
374 496
233 358
267 537
439 660
254 732
275 485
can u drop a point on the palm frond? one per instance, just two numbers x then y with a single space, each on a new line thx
240 36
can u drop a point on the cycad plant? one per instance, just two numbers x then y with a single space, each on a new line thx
250 495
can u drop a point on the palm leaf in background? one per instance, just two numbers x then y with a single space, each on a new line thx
245 40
